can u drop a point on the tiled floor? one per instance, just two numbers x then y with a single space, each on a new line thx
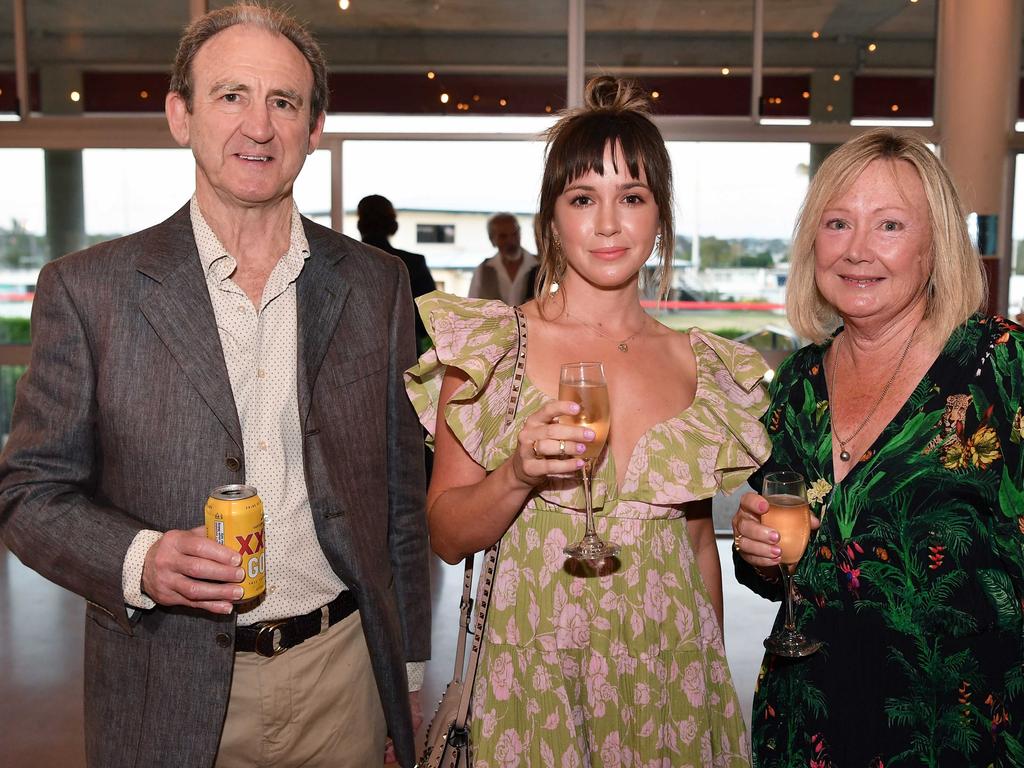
41 657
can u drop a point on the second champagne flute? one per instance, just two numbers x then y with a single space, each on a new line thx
584 383
789 514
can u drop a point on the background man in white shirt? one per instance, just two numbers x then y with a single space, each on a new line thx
235 342
509 274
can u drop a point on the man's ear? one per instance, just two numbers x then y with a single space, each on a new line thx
316 133
177 117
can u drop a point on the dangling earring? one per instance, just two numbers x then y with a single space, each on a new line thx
657 242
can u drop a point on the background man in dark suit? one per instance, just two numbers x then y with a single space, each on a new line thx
377 222
235 342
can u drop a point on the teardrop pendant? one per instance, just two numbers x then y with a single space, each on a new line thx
844 456
623 347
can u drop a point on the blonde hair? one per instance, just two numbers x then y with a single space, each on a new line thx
617 113
956 287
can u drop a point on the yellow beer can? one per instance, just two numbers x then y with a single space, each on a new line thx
234 518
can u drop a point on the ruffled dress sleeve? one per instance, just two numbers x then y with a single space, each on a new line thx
479 338
716 443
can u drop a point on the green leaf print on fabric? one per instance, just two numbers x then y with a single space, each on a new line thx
915 580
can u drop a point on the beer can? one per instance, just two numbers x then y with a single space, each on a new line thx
234 518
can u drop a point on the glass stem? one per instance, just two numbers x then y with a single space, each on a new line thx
586 498
787 583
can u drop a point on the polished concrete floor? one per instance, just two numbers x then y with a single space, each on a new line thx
41 657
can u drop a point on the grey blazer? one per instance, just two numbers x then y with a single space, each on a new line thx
125 420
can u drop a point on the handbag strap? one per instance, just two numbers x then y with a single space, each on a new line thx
483 595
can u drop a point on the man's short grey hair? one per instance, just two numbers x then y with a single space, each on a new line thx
277 22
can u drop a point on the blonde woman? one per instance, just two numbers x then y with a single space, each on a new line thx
906 422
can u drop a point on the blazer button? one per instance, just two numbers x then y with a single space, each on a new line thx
223 640
232 463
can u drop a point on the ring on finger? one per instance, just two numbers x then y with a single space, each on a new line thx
561 450
736 538
537 454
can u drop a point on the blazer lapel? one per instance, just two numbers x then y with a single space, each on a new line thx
321 295
176 303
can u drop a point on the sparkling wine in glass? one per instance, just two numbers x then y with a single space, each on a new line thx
789 514
584 383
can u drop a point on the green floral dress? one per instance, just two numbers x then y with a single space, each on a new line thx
626 669
914 580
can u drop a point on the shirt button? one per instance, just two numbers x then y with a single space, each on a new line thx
241 307
263 445
261 373
223 640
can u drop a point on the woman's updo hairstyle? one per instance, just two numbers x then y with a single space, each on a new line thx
615 112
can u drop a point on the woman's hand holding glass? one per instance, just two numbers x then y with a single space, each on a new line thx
756 542
547 447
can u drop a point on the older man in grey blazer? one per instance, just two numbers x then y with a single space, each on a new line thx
235 342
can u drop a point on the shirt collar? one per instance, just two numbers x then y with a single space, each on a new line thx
212 251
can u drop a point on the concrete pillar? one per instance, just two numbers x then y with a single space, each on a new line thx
65 192
831 102
977 76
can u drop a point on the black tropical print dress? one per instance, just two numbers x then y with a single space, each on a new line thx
914 580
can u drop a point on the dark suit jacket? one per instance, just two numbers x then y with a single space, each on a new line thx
125 420
420 279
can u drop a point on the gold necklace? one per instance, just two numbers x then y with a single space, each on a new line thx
844 455
623 345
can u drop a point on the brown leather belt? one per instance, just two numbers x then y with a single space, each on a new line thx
269 638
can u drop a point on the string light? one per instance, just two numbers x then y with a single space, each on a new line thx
431 75
806 94
143 94
344 4
895 108
725 70
815 34
655 95
872 47
502 102
444 98
75 96
836 77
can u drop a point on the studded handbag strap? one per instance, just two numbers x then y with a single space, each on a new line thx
483 595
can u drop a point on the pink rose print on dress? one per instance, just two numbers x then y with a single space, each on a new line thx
532 539
642 694
502 676
552 722
612 752
573 627
541 679
554 557
506 585
490 722
599 690
688 730
655 600
508 749
693 683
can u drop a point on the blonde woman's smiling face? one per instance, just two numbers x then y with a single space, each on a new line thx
873 247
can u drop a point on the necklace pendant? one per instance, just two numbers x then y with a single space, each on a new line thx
844 455
623 347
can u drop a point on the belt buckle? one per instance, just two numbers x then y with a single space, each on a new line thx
265 636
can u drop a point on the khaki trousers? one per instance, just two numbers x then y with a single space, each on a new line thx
314 705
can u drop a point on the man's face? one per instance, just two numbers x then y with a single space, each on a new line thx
505 237
249 123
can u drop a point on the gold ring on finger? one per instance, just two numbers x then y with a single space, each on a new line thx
561 450
537 454
736 541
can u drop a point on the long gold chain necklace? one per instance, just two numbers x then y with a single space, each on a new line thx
622 345
844 455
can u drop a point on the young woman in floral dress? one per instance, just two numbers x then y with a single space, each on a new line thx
623 665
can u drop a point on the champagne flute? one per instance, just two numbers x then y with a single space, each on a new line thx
789 514
584 383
